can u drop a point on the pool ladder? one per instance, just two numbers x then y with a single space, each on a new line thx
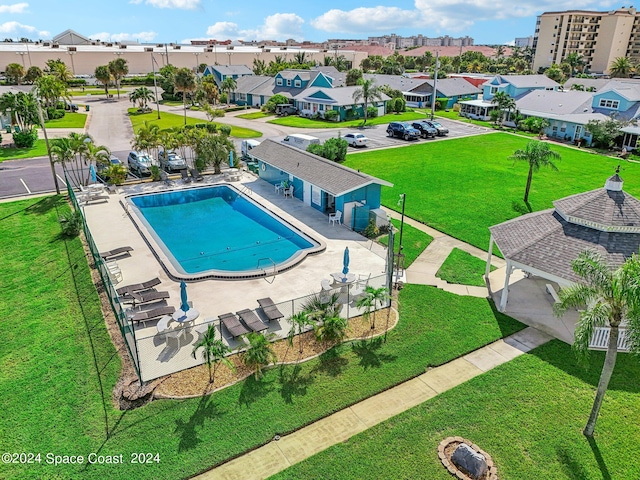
265 270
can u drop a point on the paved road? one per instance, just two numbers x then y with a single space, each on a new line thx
109 125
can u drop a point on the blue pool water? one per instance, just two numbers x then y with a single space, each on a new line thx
216 228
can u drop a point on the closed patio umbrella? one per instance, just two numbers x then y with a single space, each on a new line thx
184 306
231 158
92 173
345 262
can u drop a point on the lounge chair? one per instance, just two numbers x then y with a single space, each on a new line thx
138 298
152 314
196 175
251 320
116 252
231 322
185 176
269 308
165 179
138 286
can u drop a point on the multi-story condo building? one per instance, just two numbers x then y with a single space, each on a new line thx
523 42
394 41
599 37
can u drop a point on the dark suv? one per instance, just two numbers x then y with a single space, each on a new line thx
442 131
402 130
425 129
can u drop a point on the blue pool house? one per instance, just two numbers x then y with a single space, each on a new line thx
322 184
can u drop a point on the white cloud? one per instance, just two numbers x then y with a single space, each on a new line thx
279 26
16 28
120 37
15 8
181 4
443 15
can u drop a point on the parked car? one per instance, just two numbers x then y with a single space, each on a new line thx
442 130
426 130
402 130
171 161
113 160
72 107
284 109
140 162
356 139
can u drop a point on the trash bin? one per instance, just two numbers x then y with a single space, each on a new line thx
8 128
86 108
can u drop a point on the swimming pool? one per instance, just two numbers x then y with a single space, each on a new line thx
216 232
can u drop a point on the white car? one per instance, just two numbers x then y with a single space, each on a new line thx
356 139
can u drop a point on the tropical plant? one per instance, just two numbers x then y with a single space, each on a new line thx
14 73
214 149
147 138
334 149
372 297
608 297
33 73
259 353
210 89
536 125
605 132
575 61
504 102
299 323
332 329
228 85
70 223
115 174
353 76
536 154
103 75
214 352
184 82
75 152
50 89
621 67
118 68
141 96
554 72
23 108
259 67
59 70
367 92
277 99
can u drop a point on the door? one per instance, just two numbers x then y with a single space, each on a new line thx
578 135
306 196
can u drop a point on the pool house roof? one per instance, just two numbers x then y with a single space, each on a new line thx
327 175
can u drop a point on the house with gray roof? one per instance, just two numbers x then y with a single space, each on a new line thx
322 184
222 72
545 243
318 101
254 90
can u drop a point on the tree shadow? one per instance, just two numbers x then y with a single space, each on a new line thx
41 207
572 467
293 384
507 325
188 430
331 363
598 456
520 208
253 390
368 353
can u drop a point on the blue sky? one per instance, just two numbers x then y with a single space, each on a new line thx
487 21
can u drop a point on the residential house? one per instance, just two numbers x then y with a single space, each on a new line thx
455 89
413 90
322 184
314 101
253 90
222 72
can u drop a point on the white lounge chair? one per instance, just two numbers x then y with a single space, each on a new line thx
288 192
335 217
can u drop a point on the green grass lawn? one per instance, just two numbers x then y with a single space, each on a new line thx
301 122
528 414
463 268
462 186
254 115
70 120
171 103
39 149
451 115
170 120
56 343
95 91
414 241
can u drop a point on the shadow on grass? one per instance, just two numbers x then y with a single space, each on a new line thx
188 430
331 363
42 206
561 356
571 466
521 209
598 456
292 383
507 325
253 390
368 353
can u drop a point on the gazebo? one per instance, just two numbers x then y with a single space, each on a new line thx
545 243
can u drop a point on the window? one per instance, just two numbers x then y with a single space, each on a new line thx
279 82
493 90
609 103
321 107
297 83
288 82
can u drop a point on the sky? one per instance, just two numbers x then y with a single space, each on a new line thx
165 21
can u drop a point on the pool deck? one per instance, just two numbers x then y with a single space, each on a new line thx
111 228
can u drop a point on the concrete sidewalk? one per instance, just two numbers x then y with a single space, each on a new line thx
276 456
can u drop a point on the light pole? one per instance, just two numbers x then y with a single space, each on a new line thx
197 54
155 83
435 86
165 59
229 60
46 141
73 67
22 54
401 199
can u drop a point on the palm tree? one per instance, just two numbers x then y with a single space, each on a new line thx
503 101
576 61
50 89
141 95
59 69
372 296
214 149
259 66
610 296
98 154
33 73
621 67
118 69
214 352
228 85
147 138
332 329
536 154
210 89
14 73
299 323
185 82
259 352
103 75
367 92
73 153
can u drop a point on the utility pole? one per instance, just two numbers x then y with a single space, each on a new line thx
155 83
46 140
435 86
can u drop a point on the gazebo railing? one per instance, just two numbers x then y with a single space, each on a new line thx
600 339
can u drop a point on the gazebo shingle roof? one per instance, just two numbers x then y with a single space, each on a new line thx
604 207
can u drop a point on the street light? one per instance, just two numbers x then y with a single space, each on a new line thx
401 200
155 83
22 54
46 141
197 54
73 67
229 61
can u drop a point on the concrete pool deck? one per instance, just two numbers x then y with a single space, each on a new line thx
111 228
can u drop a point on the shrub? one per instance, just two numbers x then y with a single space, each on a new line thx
211 127
155 173
201 125
170 97
441 103
54 113
456 107
25 139
70 223
332 115
223 98
372 112
225 129
76 82
372 230
115 174
398 105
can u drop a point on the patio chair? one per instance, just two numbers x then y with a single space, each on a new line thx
153 314
117 252
138 286
137 298
233 325
165 179
185 176
269 308
288 192
335 217
196 175
251 320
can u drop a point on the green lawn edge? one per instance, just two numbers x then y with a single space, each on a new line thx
463 268
301 122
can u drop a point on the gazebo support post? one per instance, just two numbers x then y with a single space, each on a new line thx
505 289
488 269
